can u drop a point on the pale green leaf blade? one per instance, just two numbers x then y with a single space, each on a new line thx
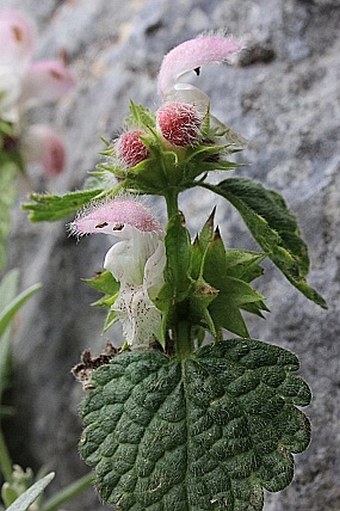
8 173
66 494
8 291
8 287
110 320
104 282
8 312
31 494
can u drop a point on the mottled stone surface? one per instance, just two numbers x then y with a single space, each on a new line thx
284 97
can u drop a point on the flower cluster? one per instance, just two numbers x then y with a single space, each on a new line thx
25 83
183 106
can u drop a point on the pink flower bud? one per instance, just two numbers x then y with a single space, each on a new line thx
179 123
40 144
16 38
114 216
191 55
130 149
47 80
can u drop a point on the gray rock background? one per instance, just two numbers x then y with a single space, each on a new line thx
284 97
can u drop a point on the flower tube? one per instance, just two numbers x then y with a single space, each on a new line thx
137 261
190 56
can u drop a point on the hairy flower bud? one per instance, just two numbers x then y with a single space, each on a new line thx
130 148
179 123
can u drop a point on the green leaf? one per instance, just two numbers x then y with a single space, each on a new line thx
177 270
8 287
234 294
273 226
103 282
235 141
141 117
66 494
8 494
154 175
201 244
229 272
50 208
6 315
244 264
9 305
110 320
200 298
205 433
8 291
170 299
31 494
8 173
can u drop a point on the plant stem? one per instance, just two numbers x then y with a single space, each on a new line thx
5 459
68 493
171 203
182 328
183 342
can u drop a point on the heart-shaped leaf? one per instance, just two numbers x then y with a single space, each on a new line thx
209 432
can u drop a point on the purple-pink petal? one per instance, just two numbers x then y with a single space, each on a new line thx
41 144
16 37
111 217
46 80
193 54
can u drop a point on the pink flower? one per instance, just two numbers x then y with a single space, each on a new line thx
193 54
114 217
137 261
23 84
16 37
46 80
21 81
190 56
40 144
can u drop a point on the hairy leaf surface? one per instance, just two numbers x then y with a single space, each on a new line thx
56 207
206 433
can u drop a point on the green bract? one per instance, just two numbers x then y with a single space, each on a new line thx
207 432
